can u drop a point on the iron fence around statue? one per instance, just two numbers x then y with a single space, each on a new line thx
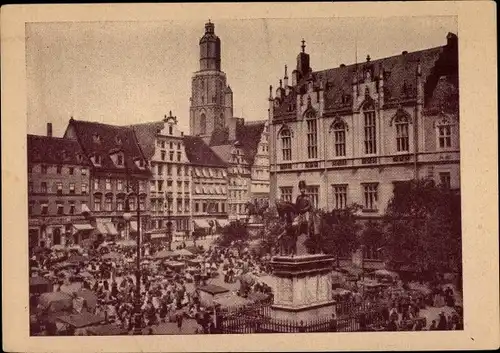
347 317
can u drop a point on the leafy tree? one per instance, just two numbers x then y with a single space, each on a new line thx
424 227
338 232
235 232
373 235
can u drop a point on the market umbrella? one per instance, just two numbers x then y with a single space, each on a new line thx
77 259
232 301
385 273
163 254
55 301
127 243
82 319
89 296
183 252
112 256
106 330
61 265
40 285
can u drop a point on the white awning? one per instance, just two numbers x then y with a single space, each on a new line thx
197 190
111 228
201 223
158 235
222 222
197 172
133 226
210 172
205 173
102 228
83 226
224 173
85 208
204 190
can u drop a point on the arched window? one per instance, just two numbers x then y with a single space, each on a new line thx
203 124
286 144
370 132
312 136
339 138
402 140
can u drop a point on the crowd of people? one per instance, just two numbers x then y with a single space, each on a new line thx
169 292
166 294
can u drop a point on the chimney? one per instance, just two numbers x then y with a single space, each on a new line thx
49 129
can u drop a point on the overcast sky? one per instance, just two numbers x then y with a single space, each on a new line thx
130 72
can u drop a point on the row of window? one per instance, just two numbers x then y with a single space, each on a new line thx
209 173
163 144
119 206
340 193
339 128
209 207
238 208
238 194
183 205
56 208
58 188
57 169
160 169
158 185
120 184
163 156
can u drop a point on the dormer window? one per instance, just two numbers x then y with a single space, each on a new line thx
96 138
170 129
119 159
97 159
139 163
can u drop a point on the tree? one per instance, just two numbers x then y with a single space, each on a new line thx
235 232
338 232
372 236
424 227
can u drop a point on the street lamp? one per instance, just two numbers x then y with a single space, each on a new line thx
168 199
127 216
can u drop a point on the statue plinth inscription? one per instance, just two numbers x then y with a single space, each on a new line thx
303 288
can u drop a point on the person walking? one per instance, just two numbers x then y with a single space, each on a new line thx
179 320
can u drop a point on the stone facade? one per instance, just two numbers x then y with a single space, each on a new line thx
352 132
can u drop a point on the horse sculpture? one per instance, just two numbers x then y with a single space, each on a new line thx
293 228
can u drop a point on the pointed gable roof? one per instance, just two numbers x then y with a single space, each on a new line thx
111 139
199 153
146 136
249 135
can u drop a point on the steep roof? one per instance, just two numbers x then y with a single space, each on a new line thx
220 136
398 73
248 135
223 152
55 150
112 139
199 153
146 136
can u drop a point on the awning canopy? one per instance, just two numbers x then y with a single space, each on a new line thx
85 208
222 222
158 235
82 226
201 223
197 190
101 228
111 228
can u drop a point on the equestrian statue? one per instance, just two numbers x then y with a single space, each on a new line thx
299 218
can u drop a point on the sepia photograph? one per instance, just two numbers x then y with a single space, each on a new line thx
221 175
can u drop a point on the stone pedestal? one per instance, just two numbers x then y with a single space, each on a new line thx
303 289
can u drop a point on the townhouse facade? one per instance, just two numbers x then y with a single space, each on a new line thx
119 177
58 191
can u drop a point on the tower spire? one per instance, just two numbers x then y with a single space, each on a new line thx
286 72
303 46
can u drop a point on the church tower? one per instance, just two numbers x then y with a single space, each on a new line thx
211 97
